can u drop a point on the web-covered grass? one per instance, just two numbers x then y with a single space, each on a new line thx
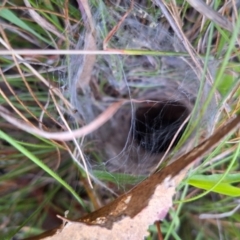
39 178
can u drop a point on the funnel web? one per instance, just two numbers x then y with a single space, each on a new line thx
161 90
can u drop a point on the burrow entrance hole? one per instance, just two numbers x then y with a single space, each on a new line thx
156 123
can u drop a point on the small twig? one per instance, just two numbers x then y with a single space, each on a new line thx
115 28
160 236
64 136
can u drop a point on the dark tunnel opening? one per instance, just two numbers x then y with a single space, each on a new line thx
155 125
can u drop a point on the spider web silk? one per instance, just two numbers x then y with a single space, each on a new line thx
138 135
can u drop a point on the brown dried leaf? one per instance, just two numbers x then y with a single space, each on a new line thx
88 61
86 67
209 13
125 227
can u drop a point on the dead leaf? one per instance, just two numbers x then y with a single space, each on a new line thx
209 13
85 70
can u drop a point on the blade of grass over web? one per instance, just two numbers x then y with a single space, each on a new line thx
41 165
194 121
115 177
91 52
225 61
215 84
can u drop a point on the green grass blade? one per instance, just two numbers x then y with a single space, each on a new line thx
214 187
230 178
41 165
37 211
11 17
222 188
